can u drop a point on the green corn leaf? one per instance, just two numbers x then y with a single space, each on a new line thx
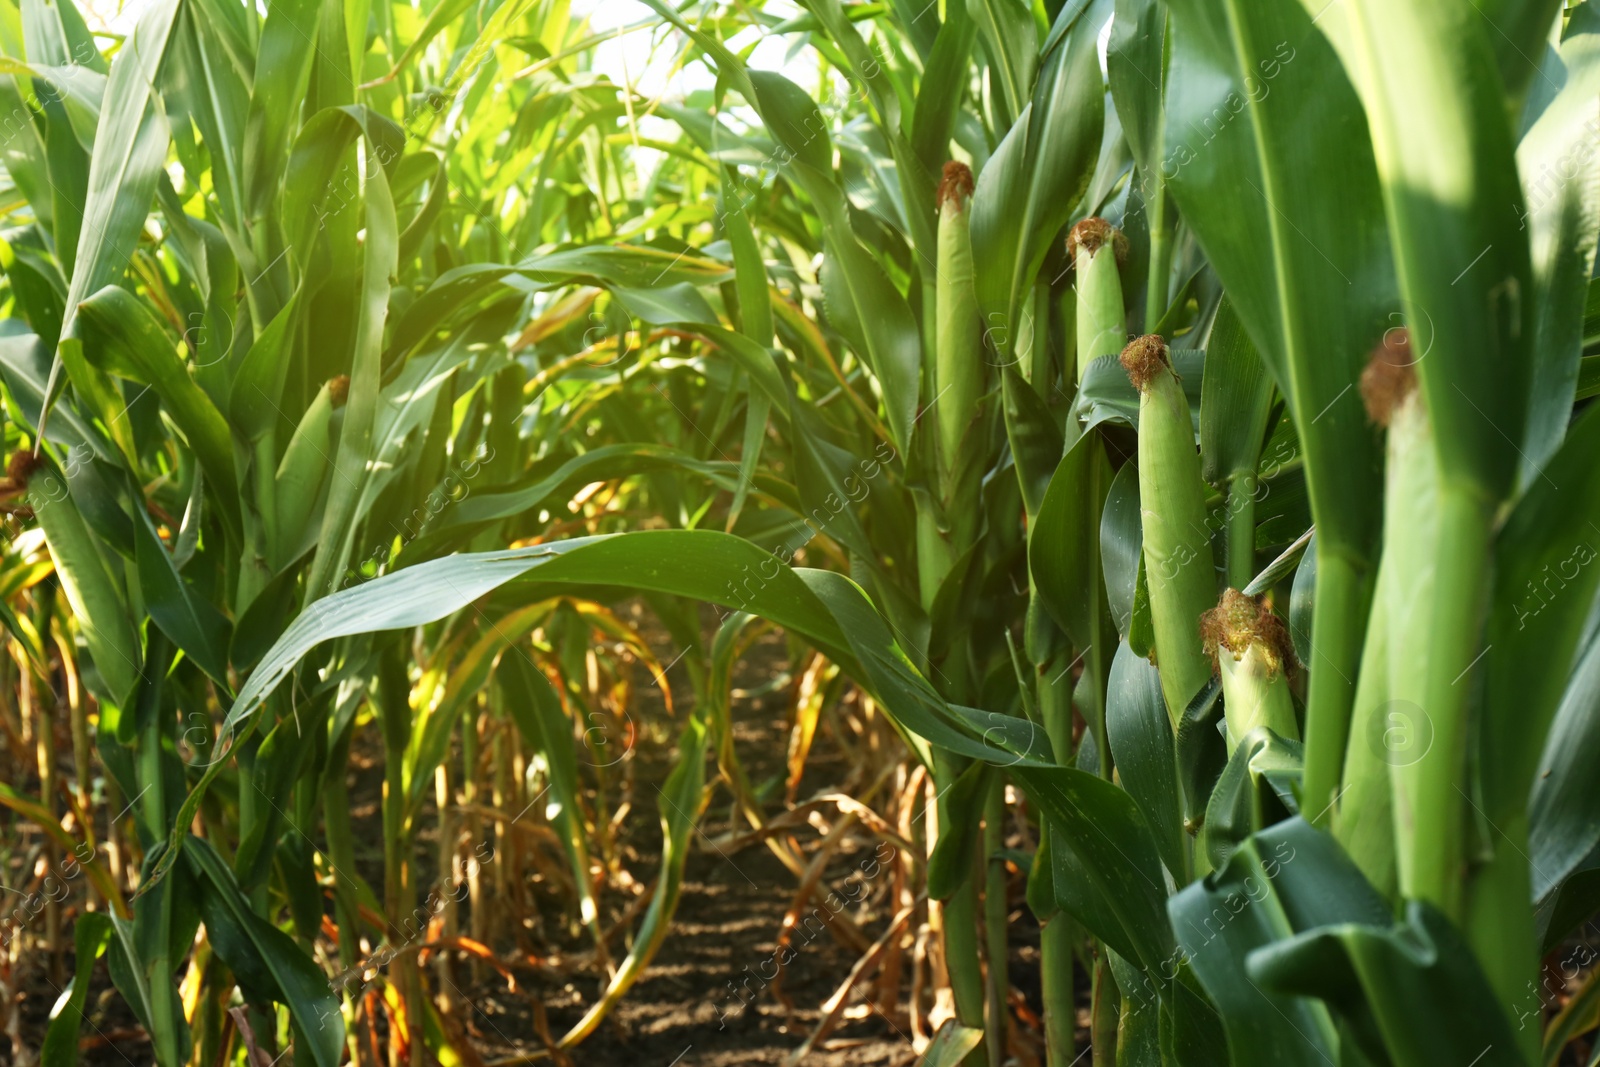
1121 544
1141 739
1427 76
1563 834
282 72
356 438
1544 586
952 860
1036 445
130 152
1411 995
93 591
1236 399
217 98
1562 189
950 1045
1255 788
122 337
267 961
1280 882
126 961
939 95
188 619
1012 45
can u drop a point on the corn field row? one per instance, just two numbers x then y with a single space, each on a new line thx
985 532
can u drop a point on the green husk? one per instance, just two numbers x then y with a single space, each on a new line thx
1177 544
959 350
1097 249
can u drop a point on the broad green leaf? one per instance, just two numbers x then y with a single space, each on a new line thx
1235 401
282 72
1282 881
1035 438
267 961
356 439
950 1045
1436 107
93 591
939 95
1411 994
1012 44
187 618
1254 789
130 152
954 855
1121 545
1141 739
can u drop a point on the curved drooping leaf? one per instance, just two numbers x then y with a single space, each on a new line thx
94 591
704 564
1259 778
187 618
1411 994
1282 881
